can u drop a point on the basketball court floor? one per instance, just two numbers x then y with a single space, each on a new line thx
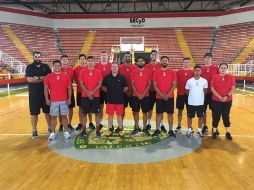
183 163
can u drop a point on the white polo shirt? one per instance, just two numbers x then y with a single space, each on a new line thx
196 91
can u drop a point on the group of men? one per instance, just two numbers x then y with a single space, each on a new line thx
138 85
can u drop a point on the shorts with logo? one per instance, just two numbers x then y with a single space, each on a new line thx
192 110
59 108
90 105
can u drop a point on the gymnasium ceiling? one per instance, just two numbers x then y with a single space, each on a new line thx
124 6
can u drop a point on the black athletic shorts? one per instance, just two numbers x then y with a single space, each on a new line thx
165 106
78 98
36 103
192 110
72 105
152 99
143 104
127 101
181 100
207 102
103 97
90 105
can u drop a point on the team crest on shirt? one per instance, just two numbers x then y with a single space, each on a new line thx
103 68
90 74
57 77
164 74
208 70
222 79
141 74
127 70
185 73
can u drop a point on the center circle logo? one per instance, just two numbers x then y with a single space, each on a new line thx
115 141
130 149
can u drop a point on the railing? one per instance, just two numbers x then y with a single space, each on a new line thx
18 66
242 69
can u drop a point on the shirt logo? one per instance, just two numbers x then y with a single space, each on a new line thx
141 74
57 77
185 73
208 70
103 68
90 74
222 79
164 74
127 70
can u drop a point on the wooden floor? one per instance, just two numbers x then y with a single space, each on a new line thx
30 164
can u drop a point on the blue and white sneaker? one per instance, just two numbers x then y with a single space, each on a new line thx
67 135
52 136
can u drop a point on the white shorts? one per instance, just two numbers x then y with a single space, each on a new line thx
59 108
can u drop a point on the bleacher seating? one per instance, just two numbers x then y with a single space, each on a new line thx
52 43
231 39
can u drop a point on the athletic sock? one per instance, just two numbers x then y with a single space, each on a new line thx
148 121
161 123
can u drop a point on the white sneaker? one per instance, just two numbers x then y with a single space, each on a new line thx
52 136
67 135
190 132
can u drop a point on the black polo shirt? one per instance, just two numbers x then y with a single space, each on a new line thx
31 71
115 86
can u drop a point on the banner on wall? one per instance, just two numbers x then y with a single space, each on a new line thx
137 22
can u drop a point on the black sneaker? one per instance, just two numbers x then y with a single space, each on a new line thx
117 130
91 126
79 126
146 132
100 126
178 129
70 127
204 130
228 136
217 132
83 134
112 129
49 130
135 131
163 129
172 134
148 127
214 135
98 134
61 128
34 134
156 133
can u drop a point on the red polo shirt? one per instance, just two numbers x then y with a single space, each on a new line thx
58 86
222 84
152 68
126 72
207 72
164 79
182 76
141 79
91 79
76 74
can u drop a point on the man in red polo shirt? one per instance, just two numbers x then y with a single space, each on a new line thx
141 83
153 66
208 71
183 75
164 81
125 69
105 67
90 82
76 72
66 69
56 85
